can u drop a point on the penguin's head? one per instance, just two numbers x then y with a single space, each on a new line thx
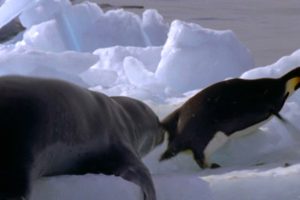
291 81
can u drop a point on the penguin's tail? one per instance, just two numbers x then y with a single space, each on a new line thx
169 124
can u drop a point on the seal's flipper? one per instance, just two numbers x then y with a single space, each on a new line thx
14 182
119 161
15 159
135 171
13 185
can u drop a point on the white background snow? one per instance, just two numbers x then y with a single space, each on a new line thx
121 53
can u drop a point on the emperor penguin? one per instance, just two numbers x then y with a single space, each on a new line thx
226 109
51 127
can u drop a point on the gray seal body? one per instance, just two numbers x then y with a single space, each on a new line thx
51 127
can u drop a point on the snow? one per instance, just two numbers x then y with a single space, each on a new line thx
121 53
90 187
93 187
256 184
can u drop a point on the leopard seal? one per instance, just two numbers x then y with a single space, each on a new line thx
51 127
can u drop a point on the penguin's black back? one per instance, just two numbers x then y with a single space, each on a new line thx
234 104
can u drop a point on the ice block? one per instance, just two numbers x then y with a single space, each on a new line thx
10 9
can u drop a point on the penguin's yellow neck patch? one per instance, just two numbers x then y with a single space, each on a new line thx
291 85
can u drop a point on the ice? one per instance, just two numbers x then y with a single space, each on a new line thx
172 72
113 59
66 65
155 28
137 73
121 28
90 187
272 182
85 27
170 187
32 38
282 66
99 77
93 187
120 53
41 12
194 57
65 23
132 71
12 8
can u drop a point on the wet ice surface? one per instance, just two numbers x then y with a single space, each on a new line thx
120 53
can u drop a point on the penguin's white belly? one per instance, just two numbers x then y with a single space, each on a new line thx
248 130
215 143
221 138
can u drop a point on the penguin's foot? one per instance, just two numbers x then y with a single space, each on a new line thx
287 164
201 163
214 166
260 164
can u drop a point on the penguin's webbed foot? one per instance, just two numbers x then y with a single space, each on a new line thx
287 164
203 165
215 166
